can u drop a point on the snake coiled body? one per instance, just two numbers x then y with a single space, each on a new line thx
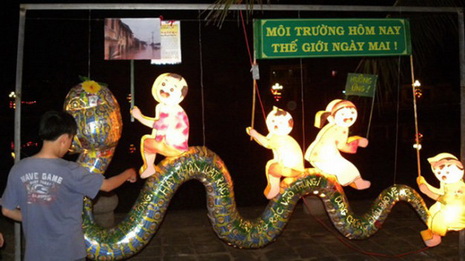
145 217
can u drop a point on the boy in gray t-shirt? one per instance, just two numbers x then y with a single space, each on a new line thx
46 193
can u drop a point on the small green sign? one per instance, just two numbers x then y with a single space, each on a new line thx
300 38
361 84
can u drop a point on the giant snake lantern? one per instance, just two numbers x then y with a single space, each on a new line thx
145 217
99 124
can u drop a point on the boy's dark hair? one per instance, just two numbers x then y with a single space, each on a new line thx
55 123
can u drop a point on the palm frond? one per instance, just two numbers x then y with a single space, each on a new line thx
428 32
221 9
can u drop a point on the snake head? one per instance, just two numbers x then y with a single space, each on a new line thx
97 114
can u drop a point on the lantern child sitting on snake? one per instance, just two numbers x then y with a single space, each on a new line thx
324 152
448 213
288 160
170 127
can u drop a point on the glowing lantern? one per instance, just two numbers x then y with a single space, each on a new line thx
418 139
276 91
288 162
448 213
132 148
417 89
97 111
170 126
12 96
324 153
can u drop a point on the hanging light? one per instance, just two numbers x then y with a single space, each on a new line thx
417 88
276 91
418 139
12 97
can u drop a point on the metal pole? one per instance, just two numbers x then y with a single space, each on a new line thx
264 7
132 88
17 124
461 29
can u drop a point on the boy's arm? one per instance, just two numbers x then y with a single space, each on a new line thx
14 214
116 181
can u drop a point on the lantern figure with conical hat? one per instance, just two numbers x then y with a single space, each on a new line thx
448 213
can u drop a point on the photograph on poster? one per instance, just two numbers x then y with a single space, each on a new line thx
132 39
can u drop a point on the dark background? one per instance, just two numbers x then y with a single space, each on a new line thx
60 45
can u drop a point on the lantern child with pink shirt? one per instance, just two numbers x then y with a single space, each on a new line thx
170 126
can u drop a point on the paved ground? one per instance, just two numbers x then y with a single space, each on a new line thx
187 235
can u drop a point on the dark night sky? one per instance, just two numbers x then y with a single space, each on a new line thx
56 54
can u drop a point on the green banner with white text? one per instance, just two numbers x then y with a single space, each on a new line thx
302 38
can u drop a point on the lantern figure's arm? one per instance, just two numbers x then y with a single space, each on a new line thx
352 144
259 138
147 121
427 189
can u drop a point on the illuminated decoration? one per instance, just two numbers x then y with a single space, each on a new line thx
144 219
448 213
170 126
98 114
324 152
12 97
276 91
288 160
25 145
132 148
146 216
12 103
418 138
417 89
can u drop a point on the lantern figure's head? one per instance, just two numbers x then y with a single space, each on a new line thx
342 112
169 89
279 122
339 112
446 167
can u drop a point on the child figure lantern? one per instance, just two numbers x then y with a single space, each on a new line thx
170 126
448 213
324 153
287 159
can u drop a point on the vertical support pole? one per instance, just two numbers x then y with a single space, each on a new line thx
417 133
461 39
371 111
17 122
132 88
